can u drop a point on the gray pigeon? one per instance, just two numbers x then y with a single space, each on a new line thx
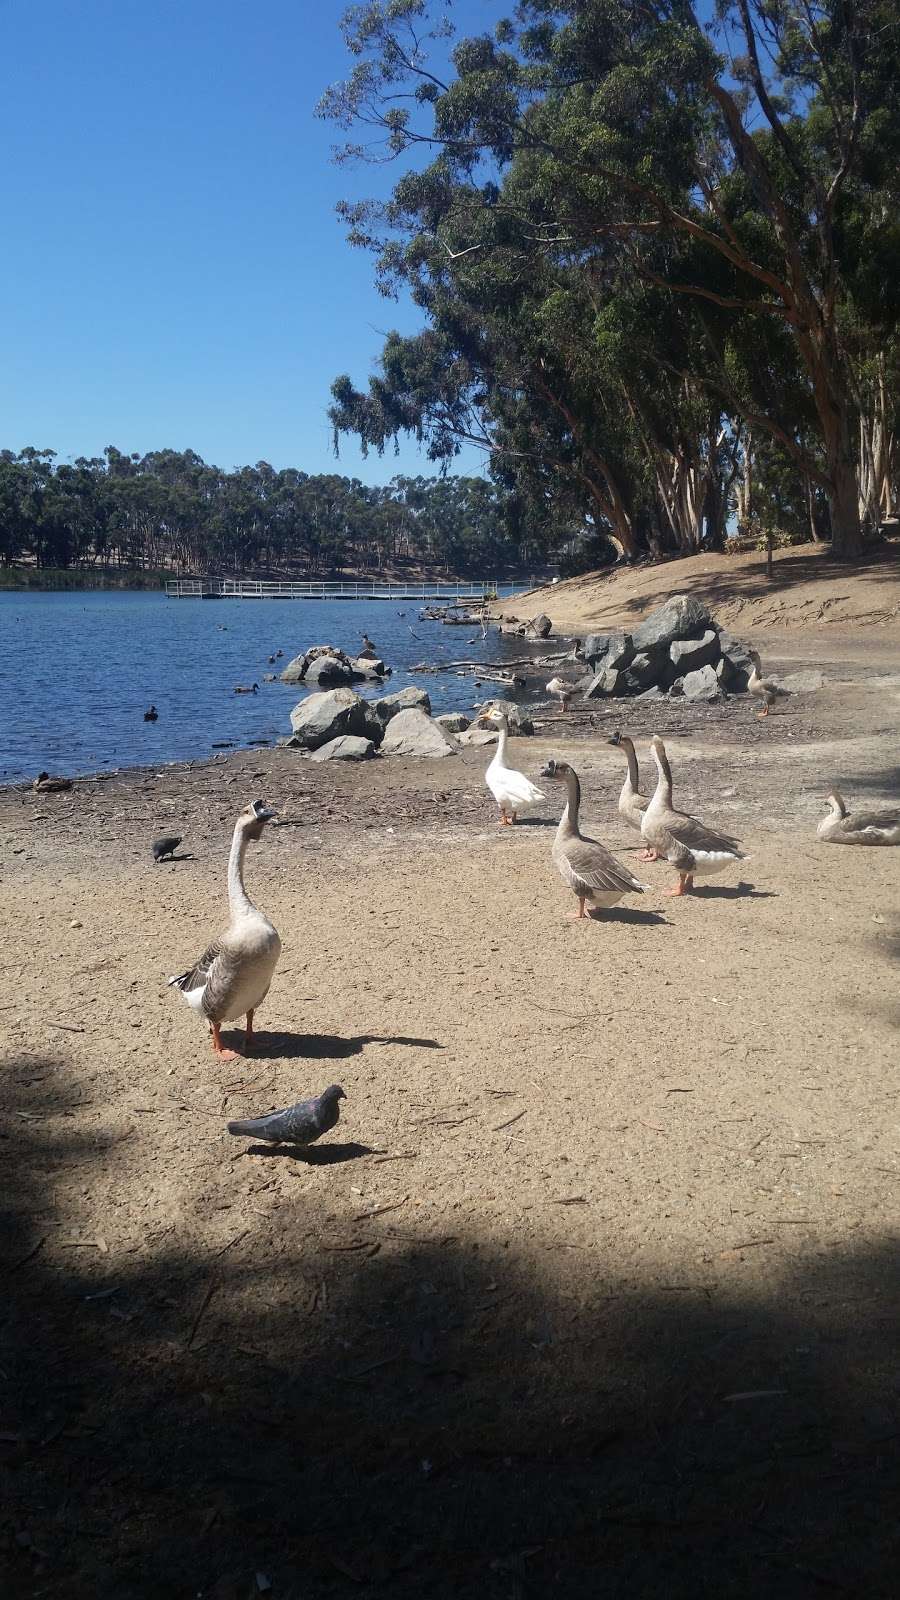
165 846
299 1124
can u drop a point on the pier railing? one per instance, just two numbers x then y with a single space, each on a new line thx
361 589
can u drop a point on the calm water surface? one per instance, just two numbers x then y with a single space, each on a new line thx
78 670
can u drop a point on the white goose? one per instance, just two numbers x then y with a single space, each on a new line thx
512 791
764 689
564 692
857 827
233 975
692 847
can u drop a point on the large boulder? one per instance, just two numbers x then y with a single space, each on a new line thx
330 713
478 736
295 671
682 617
412 733
328 670
347 747
702 685
687 655
453 722
409 699
540 625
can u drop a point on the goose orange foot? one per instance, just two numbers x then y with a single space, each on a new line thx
221 1052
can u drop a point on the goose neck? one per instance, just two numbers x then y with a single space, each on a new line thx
238 899
568 822
663 792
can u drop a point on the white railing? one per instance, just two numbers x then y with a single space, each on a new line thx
371 589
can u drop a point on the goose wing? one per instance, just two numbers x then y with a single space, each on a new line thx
214 973
696 835
872 819
587 864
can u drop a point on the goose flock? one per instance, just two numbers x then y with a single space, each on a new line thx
232 977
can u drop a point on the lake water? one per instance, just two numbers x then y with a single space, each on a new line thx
78 670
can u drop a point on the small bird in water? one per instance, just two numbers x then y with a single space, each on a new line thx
299 1124
165 846
151 714
47 785
249 688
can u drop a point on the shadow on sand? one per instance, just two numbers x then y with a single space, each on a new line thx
422 1408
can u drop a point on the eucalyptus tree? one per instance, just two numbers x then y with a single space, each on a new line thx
715 160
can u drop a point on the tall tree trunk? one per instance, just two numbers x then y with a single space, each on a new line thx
842 488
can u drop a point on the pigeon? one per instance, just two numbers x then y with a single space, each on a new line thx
299 1124
165 846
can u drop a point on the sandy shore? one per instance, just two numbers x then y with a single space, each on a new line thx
596 1280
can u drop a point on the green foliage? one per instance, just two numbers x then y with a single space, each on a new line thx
170 510
636 238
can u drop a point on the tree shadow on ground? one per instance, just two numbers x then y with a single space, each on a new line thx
728 582
348 1406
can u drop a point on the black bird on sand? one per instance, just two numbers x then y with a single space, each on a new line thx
165 846
151 715
299 1124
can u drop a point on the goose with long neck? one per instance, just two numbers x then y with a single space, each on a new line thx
841 826
512 791
584 864
764 688
232 977
632 803
692 847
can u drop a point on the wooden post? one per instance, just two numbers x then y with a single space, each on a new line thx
770 545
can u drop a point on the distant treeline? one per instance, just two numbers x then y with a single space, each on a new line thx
171 511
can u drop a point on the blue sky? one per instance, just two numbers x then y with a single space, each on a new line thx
172 272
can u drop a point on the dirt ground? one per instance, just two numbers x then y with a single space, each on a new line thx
593 1291
808 591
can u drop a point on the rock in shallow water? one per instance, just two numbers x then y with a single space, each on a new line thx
331 713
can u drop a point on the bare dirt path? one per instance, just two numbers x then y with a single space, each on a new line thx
593 1290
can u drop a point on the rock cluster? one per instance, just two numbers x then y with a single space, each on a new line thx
678 649
325 664
339 725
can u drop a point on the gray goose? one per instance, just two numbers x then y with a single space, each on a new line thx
585 865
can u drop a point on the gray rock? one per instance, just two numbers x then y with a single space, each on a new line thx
330 713
608 681
478 736
289 741
347 747
410 699
681 617
369 667
799 682
738 661
641 671
653 693
328 670
619 651
687 655
295 671
453 721
412 733
702 685
520 723
542 625
725 673
594 646
676 689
